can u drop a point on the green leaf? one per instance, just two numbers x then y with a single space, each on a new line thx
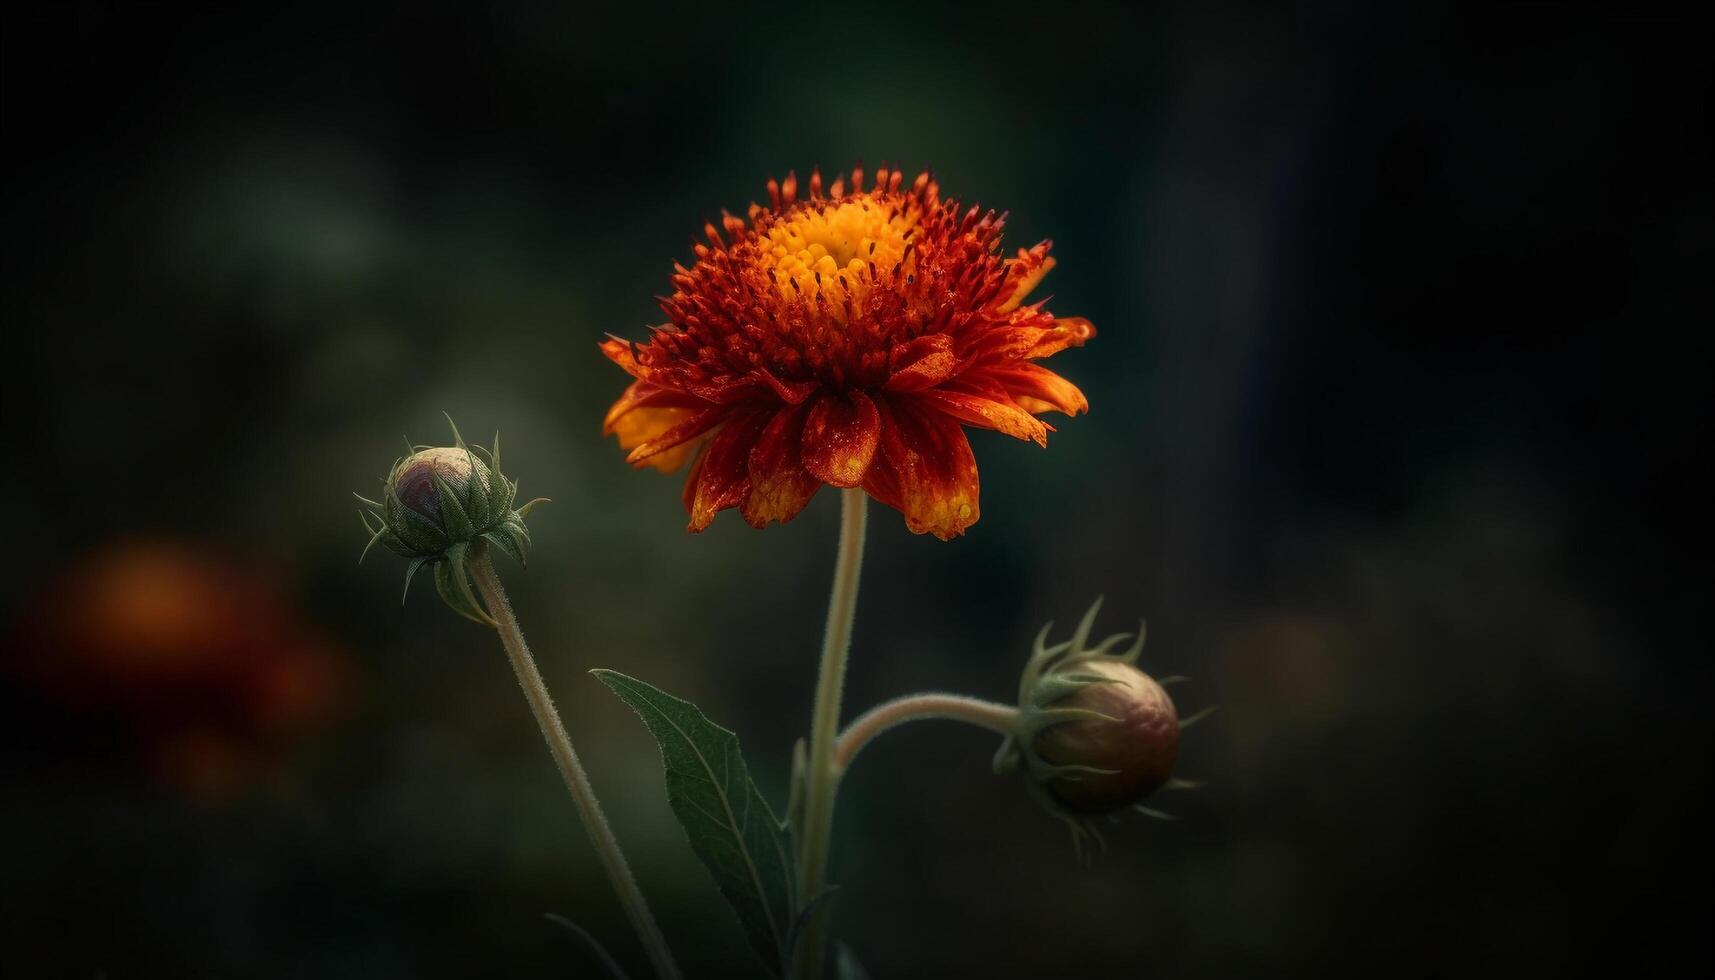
730 825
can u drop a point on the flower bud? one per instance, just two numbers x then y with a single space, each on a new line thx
414 479
442 506
1134 744
1093 734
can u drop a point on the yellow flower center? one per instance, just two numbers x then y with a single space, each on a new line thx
830 247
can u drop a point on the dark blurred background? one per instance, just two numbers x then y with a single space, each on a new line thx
1399 440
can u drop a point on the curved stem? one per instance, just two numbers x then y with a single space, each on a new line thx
997 718
571 769
821 776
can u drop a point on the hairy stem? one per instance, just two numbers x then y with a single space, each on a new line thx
821 777
572 770
997 718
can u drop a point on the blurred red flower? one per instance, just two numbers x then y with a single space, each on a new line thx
168 654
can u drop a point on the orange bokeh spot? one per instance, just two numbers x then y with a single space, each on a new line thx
194 668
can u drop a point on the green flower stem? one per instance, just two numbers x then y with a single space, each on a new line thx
997 718
577 781
822 776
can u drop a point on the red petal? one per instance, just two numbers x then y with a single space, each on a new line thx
641 394
840 436
641 425
780 487
1033 383
758 384
1026 271
721 478
922 363
882 480
685 431
790 392
1068 331
925 470
1044 337
631 398
688 495
620 352
726 390
989 413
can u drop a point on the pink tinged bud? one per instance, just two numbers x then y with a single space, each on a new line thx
1138 746
414 481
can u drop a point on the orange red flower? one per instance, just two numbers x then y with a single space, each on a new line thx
844 338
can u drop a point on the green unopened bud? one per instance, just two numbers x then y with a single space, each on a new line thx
443 506
1094 734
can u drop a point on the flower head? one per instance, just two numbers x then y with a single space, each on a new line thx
442 505
844 338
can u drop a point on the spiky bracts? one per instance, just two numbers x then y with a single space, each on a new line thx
844 339
443 506
1094 734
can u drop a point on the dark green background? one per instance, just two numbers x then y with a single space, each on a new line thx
1398 437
